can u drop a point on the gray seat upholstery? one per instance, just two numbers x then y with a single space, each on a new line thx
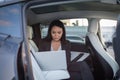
116 44
37 71
105 66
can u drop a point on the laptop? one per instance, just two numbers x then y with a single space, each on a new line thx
51 60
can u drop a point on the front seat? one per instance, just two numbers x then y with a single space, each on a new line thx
105 67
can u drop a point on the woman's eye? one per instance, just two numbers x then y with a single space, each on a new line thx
59 32
53 32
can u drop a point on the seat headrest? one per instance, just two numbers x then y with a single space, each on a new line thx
93 26
30 32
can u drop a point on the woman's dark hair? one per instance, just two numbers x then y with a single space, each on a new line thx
59 24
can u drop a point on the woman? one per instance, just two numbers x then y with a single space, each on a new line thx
56 40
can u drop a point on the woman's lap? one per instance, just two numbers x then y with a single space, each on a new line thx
80 71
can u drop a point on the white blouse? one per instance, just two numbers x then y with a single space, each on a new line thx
58 48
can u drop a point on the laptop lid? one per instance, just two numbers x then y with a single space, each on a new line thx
51 60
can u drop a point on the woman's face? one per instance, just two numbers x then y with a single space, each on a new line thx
56 33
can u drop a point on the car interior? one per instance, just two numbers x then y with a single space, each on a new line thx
105 63
102 64
116 45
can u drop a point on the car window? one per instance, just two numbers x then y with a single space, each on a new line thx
3 1
76 29
108 28
10 20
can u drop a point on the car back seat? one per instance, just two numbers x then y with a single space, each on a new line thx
37 71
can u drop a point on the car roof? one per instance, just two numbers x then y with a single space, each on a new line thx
70 9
